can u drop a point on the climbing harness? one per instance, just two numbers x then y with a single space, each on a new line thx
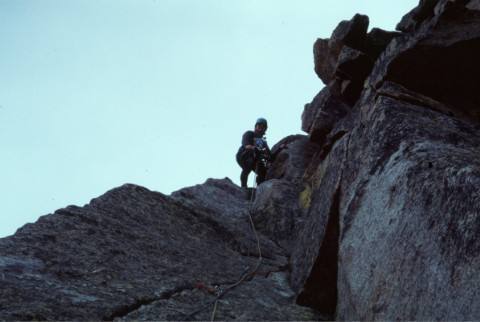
260 258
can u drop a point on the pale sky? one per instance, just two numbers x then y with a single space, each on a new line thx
98 93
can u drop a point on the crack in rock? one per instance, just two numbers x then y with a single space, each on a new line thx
124 310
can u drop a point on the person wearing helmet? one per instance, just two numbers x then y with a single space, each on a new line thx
252 152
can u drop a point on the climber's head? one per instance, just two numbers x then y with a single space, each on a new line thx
261 125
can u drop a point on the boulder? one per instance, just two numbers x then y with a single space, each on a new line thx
322 114
325 59
276 210
345 60
292 156
326 51
351 32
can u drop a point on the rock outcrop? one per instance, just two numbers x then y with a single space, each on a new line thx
137 254
373 215
396 180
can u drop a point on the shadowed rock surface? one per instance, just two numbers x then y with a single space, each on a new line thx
374 215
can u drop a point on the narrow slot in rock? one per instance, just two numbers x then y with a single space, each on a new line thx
320 289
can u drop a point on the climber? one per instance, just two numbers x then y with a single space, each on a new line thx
254 154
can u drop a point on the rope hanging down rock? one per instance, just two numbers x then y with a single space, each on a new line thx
259 261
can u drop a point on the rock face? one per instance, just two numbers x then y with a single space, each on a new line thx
137 254
395 182
374 215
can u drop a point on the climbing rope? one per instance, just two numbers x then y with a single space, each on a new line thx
260 258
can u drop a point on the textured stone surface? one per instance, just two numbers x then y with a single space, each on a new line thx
375 215
310 109
411 20
260 299
131 248
439 60
277 207
350 33
292 160
352 69
343 62
409 217
398 205
473 5
322 114
353 64
377 40
277 212
314 258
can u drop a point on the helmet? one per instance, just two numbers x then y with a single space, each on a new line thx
262 121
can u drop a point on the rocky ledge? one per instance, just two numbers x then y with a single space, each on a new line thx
373 215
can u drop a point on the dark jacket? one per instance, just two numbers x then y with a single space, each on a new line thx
252 138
